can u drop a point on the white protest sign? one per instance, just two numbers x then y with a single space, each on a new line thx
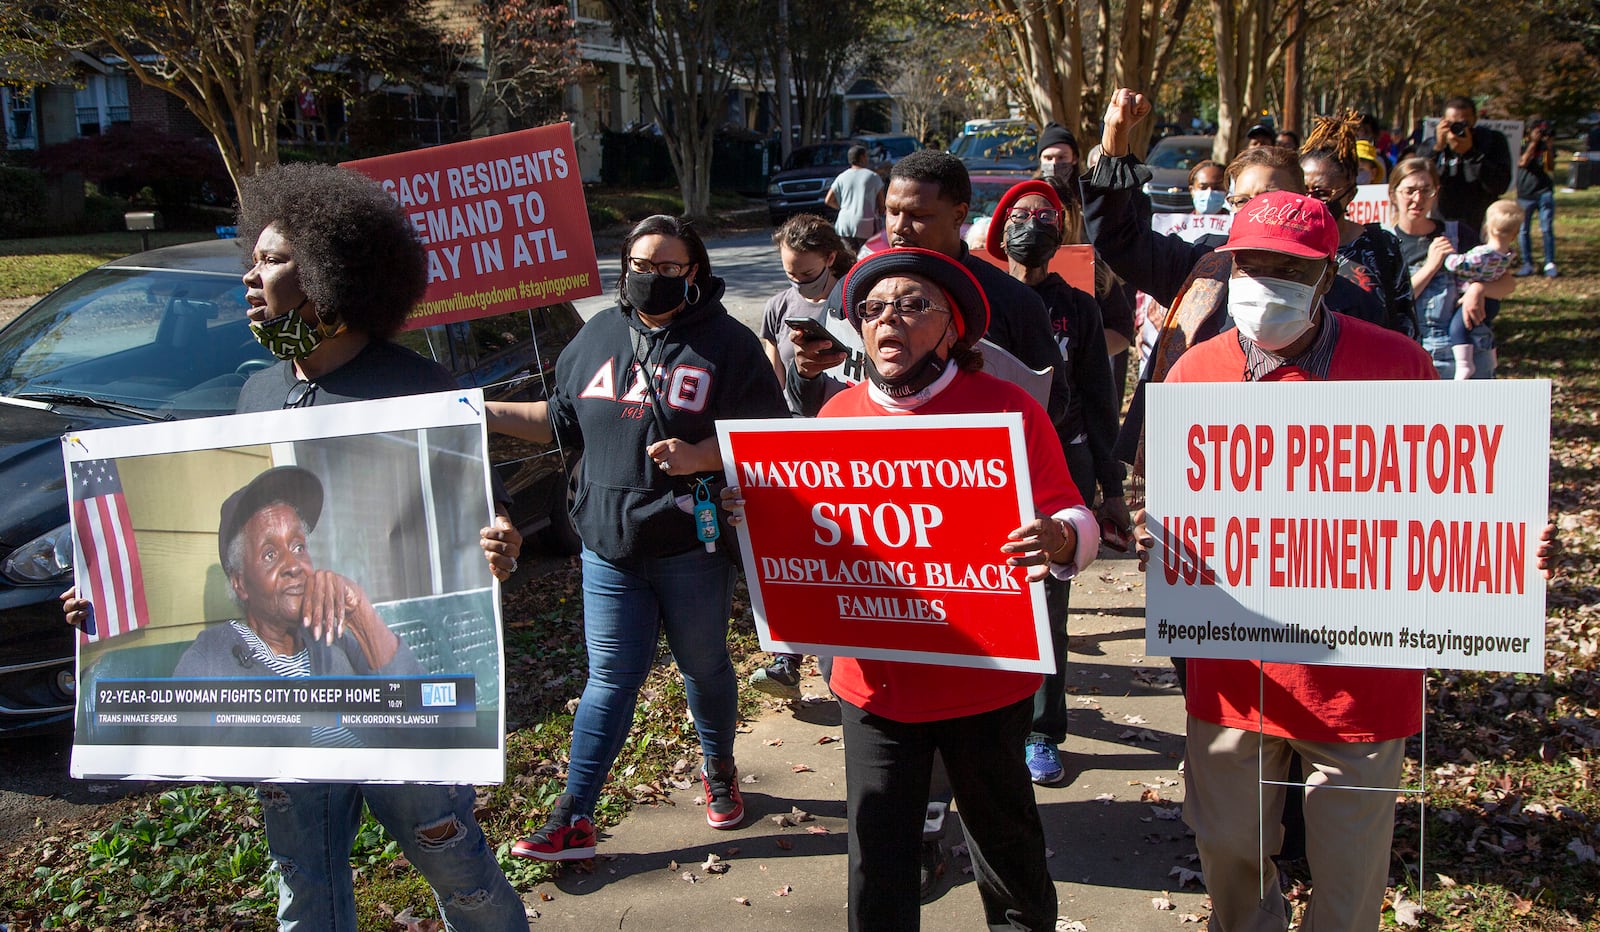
1379 524
1370 205
224 530
1190 227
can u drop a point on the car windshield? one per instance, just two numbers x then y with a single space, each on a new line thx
159 340
818 156
986 196
1183 157
894 147
997 144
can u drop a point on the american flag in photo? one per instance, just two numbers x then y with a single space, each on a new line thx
110 573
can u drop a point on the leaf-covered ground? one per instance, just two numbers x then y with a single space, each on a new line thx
1509 829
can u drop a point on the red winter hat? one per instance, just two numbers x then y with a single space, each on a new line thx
994 239
1282 221
971 311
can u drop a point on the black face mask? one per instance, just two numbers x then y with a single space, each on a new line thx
923 372
653 293
1032 243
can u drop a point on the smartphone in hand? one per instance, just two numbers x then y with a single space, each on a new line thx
812 330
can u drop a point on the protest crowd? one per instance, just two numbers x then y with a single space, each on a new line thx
912 324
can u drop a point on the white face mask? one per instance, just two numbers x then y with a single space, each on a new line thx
1271 312
1209 200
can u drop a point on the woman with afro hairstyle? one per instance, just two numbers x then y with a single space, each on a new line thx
1369 255
333 271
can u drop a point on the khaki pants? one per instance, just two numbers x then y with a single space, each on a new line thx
1348 832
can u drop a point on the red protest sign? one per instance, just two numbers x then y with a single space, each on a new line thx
503 219
880 538
1074 263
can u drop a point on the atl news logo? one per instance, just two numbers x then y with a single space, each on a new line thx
438 694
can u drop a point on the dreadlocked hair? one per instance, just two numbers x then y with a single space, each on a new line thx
1333 139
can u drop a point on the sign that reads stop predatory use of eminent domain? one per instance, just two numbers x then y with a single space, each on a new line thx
503 219
880 538
1379 524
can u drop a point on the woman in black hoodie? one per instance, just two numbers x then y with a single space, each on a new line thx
641 389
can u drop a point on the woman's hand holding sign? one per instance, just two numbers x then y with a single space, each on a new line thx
1039 543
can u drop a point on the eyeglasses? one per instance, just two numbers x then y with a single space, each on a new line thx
1327 194
1048 216
302 394
1236 201
906 306
668 269
1420 191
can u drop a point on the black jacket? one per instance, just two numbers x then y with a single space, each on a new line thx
1096 403
707 366
1469 183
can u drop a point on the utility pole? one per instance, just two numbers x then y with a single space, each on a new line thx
785 93
1294 94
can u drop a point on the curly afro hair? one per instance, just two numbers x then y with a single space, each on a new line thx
359 259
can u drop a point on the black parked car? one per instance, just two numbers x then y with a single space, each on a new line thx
803 183
160 335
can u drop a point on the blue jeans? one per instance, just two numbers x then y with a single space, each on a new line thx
624 610
1545 203
311 826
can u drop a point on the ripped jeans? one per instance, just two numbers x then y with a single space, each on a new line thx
311 826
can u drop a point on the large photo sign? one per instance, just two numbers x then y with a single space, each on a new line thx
880 538
1379 524
503 219
289 595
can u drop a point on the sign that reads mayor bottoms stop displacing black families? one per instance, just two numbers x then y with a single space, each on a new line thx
1380 524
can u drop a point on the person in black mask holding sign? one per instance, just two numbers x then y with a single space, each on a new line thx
641 388
1028 228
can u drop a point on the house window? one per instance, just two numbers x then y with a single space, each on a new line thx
18 107
117 99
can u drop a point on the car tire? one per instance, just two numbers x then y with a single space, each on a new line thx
561 536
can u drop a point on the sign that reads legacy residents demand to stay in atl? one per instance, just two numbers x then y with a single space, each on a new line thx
1379 524
880 538
503 219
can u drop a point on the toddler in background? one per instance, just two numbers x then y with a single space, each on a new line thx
1485 263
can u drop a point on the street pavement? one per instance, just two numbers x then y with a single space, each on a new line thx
1114 835
747 262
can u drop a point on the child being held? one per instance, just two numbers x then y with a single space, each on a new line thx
1486 263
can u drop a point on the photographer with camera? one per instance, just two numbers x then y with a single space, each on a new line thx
1474 163
1537 193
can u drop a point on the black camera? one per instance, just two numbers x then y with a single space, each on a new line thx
1457 127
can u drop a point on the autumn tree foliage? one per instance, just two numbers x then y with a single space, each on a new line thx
233 63
528 50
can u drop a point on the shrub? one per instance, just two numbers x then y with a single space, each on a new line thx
22 202
177 169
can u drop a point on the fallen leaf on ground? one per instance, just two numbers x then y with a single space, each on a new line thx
1186 876
1064 924
784 890
784 843
691 877
742 900
773 742
1406 912
714 865
1161 902
802 768
827 739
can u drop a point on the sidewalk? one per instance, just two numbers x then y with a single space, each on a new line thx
1113 831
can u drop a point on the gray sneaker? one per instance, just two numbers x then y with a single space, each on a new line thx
781 678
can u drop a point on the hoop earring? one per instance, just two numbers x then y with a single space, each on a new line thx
697 296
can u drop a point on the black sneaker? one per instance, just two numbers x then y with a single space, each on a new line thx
934 863
724 804
780 678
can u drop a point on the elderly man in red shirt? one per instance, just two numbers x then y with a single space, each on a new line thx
1246 719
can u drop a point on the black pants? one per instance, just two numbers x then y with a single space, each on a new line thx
1050 702
887 766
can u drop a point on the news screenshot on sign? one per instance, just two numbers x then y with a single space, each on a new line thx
880 538
294 595
1362 523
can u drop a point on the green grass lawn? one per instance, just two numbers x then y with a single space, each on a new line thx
40 265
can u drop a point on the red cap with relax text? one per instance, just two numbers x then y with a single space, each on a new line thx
1282 221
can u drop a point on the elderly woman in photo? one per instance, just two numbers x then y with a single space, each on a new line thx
919 313
334 269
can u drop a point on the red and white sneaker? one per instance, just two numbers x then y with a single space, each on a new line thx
724 805
564 837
